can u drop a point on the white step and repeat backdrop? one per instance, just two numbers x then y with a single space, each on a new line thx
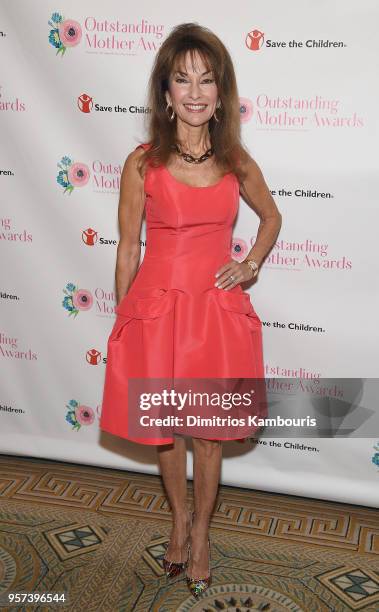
73 82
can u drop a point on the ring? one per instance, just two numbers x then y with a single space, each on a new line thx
231 277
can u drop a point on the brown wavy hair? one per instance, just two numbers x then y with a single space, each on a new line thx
225 135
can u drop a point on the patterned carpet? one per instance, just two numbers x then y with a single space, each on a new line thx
98 535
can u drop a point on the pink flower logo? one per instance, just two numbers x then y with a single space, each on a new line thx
76 299
78 414
64 33
72 174
246 109
70 33
78 174
239 249
82 299
84 415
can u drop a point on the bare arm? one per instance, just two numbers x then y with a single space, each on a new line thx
255 191
130 214
257 194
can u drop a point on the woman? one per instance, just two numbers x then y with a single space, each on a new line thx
183 311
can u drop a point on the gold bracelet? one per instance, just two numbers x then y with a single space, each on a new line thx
252 265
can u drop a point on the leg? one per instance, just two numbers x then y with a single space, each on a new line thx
172 459
207 464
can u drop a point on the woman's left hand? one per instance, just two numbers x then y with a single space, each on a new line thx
238 271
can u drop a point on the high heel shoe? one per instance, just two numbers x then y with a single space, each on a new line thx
172 568
197 586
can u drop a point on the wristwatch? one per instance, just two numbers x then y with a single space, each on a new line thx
252 265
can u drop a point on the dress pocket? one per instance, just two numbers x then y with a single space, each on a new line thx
239 302
147 303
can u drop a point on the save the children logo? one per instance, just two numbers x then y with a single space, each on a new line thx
72 174
254 40
85 103
76 300
93 357
90 237
64 33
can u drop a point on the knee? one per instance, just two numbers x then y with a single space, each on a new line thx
206 447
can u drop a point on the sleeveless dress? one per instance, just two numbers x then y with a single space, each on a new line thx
173 322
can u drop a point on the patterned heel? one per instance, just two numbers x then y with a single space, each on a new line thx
197 586
172 568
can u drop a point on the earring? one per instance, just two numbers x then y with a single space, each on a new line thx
172 116
218 105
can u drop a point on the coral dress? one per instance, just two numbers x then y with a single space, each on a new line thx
173 322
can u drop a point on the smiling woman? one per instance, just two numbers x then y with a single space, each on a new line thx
195 85
182 314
